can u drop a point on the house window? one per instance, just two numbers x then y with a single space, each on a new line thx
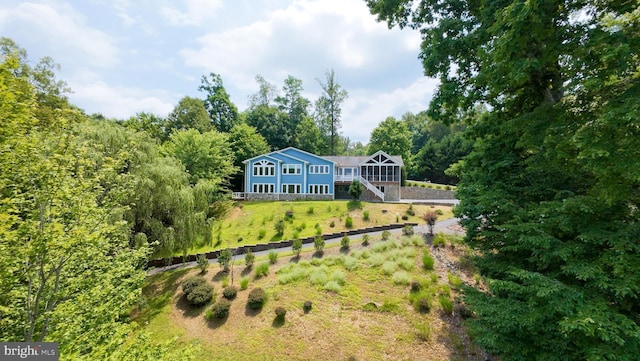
319 169
292 169
318 189
264 168
263 188
291 188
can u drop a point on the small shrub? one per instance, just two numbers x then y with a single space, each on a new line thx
348 222
454 280
257 298
344 242
279 227
296 234
296 247
306 306
439 212
407 230
430 218
224 258
415 286
376 260
200 295
440 240
389 306
446 304
219 310
332 286
389 267
273 257
365 216
262 270
422 304
192 282
225 281
310 210
230 292
281 312
318 243
318 231
405 263
401 278
332 224
410 211
405 217
244 283
338 277
365 240
318 276
386 235
427 261
423 331
262 233
202 262
288 214
249 258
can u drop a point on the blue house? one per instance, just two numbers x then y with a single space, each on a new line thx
291 173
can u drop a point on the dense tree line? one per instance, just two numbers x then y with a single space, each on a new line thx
551 189
69 272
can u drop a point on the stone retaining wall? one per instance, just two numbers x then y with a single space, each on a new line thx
426 193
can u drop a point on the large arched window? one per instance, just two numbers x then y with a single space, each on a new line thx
264 168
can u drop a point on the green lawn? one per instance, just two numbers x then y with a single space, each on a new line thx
254 222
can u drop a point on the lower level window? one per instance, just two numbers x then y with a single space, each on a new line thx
291 188
318 188
263 188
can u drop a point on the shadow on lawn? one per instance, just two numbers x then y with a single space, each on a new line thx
187 309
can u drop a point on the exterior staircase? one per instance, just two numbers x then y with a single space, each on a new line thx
372 188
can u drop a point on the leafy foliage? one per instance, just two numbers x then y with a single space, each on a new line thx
356 189
219 310
257 298
549 194
200 294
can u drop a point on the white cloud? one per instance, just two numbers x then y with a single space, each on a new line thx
333 33
66 32
364 109
97 96
197 11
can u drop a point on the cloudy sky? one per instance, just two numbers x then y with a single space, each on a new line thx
121 57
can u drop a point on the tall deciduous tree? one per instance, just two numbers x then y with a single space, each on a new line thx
245 143
67 273
391 136
266 94
307 137
222 112
271 123
190 113
329 111
292 102
550 194
206 156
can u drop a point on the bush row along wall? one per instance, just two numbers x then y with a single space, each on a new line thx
273 245
426 193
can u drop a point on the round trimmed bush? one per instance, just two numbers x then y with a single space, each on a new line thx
200 295
219 310
281 312
192 282
256 299
306 306
230 292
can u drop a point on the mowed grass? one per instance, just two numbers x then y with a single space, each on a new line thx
252 223
360 309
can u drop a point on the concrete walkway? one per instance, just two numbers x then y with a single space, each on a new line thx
447 226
